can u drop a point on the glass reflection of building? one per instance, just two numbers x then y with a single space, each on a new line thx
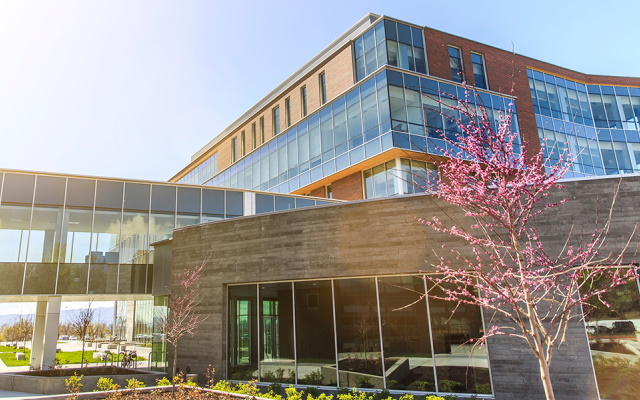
377 332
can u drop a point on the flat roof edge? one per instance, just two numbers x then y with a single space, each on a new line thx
325 53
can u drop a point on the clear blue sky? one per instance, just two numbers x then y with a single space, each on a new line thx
133 88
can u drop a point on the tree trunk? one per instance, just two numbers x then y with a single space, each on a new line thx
546 380
173 370
82 357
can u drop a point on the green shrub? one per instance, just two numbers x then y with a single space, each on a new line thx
133 383
163 382
447 385
364 382
483 388
274 388
293 394
312 392
423 386
313 378
74 383
223 386
384 394
343 390
250 388
105 384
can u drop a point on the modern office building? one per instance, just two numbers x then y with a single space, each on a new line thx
370 117
373 109
330 296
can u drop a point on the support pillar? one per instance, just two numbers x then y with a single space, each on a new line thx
37 342
51 332
130 320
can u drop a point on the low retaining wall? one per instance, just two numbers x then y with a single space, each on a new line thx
55 384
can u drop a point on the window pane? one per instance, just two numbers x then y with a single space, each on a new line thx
452 335
136 196
277 362
243 333
18 188
314 333
358 339
14 233
50 190
163 198
405 333
80 192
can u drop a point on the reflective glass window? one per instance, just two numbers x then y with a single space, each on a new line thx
243 332
76 235
277 360
275 115
50 190
322 78
264 203
14 233
314 333
405 333
45 235
460 365
109 194
18 188
233 204
136 196
72 278
80 192
40 278
163 198
303 101
455 64
479 71
358 334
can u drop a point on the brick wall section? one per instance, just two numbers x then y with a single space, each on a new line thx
504 70
338 69
382 237
319 192
348 188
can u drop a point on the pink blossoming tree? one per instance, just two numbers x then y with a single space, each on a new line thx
182 318
502 189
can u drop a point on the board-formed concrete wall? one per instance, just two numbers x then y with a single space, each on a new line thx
379 237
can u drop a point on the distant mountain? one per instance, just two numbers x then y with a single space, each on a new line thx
102 314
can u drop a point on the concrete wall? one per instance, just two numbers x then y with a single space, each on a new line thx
383 237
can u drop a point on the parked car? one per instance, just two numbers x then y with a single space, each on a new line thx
623 327
598 329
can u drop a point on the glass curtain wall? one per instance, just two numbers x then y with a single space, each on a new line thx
71 235
598 124
389 42
389 179
391 109
377 332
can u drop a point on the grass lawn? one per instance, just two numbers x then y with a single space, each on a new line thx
9 359
8 356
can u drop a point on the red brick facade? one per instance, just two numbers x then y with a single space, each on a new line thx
505 70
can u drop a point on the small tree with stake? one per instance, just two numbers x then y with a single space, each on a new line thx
80 325
508 271
182 318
